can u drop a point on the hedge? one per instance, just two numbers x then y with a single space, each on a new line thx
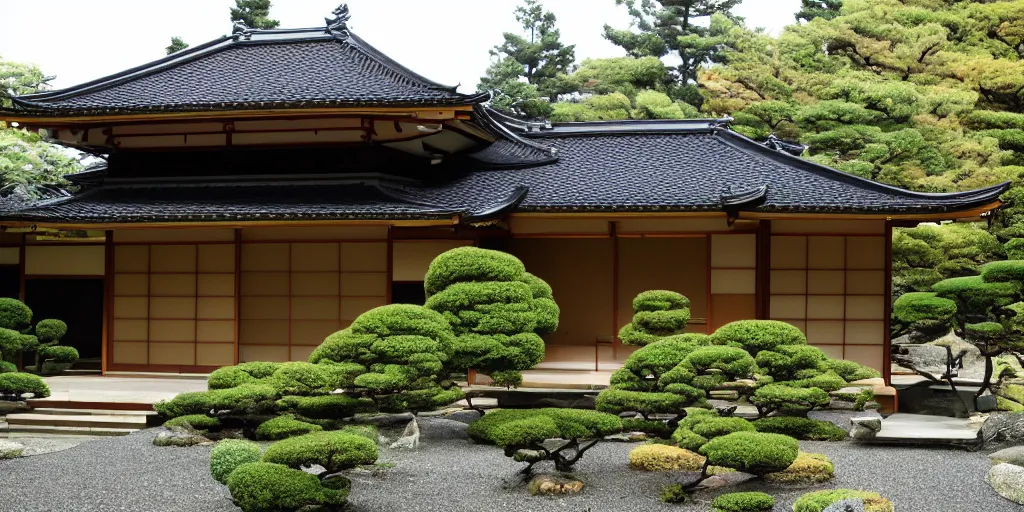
757 335
229 454
334 451
743 502
804 429
818 501
21 383
752 452
283 427
263 487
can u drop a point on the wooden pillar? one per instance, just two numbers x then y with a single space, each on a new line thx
764 272
887 331
238 287
106 351
613 233
21 268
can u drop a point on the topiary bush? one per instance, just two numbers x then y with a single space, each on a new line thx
244 399
283 427
818 501
787 399
245 373
790 362
656 314
752 452
743 502
711 428
194 422
334 451
59 354
850 371
327 407
17 384
974 296
14 314
521 433
757 335
229 454
808 468
6 367
13 343
496 309
263 487
804 429
660 457
51 331
1009 271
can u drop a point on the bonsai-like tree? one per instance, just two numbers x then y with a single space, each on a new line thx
754 453
522 433
656 315
496 309
51 357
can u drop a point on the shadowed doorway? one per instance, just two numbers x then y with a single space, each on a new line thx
78 302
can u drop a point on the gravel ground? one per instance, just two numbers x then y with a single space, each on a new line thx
41 445
450 474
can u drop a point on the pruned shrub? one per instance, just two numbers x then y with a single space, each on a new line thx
808 468
656 314
59 354
752 452
245 373
14 314
818 501
786 361
334 451
787 399
244 399
283 427
743 502
263 487
715 427
757 335
496 309
22 383
194 422
850 371
229 454
1009 271
521 433
301 379
50 330
618 401
686 438
828 382
804 429
327 407
660 457
6 367
975 296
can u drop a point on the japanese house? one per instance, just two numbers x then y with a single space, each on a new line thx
262 190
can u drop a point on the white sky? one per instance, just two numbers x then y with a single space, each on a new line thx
445 40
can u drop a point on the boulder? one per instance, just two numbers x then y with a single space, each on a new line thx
1008 481
1012 455
549 485
13 407
178 436
1003 428
410 437
865 427
848 505
10 450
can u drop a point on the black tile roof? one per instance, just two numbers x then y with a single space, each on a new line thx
306 68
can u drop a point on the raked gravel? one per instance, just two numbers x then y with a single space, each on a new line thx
447 473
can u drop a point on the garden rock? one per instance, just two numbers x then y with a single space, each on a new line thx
1013 455
10 450
549 485
177 436
13 407
410 437
848 505
724 479
865 427
1008 481
1003 428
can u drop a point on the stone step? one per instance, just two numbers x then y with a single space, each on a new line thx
920 429
87 412
88 421
49 403
15 431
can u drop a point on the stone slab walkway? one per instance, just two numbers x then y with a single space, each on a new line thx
119 389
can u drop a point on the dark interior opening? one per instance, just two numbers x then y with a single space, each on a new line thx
10 281
78 302
408 292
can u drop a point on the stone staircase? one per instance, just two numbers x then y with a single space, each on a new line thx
52 421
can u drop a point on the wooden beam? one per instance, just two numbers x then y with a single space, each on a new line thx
232 224
106 351
887 331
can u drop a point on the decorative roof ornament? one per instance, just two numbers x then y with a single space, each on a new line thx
240 30
778 144
339 23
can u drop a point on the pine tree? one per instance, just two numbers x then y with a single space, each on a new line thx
254 13
825 9
672 27
177 44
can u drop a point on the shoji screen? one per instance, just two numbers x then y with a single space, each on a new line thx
733 279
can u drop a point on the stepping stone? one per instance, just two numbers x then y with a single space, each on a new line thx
918 429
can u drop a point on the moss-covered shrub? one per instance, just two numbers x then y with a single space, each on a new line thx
263 487
818 501
244 399
785 362
849 370
757 335
194 422
787 399
808 468
229 454
618 401
752 452
659 457
687 439
804 429
521 432
715 427
22 383
14 314
974 296
283 427
495 308
656 314
743 502
245 373
327 407
334 451
1009 271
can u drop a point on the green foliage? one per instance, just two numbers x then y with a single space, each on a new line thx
1011 271
263 487
818 501
656 314
51 331
914 307
728 362
618 401
177 44
656 428
59 354
824 9
22 383
779 397
675 493
850 371
194 422
803 429
232 376
14 314
244 399
743 502
283 427
1014 249
752 452
711 428
786 361
328 407
255 14
520 428
11 343
757 335
334 451
687 439
6 367
229 454
974 296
